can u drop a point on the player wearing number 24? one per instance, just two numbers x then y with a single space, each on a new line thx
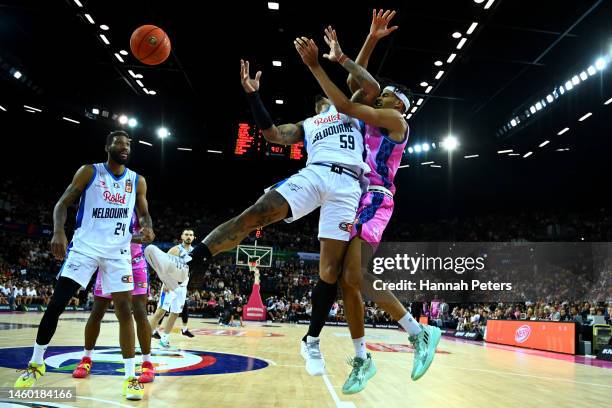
109 194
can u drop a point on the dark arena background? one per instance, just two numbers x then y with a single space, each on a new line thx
509 147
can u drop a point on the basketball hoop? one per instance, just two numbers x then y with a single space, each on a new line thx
253 265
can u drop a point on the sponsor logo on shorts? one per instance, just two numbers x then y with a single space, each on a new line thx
142 285
294 187
522 334
127 279
346 226
137 259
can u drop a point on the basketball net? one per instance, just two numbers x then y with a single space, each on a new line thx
253 265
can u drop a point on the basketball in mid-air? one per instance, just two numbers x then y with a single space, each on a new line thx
150 44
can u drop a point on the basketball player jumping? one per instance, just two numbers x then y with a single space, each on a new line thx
386 137
140 294
108 194
173 301
330 180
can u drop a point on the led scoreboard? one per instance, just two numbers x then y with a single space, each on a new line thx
251 143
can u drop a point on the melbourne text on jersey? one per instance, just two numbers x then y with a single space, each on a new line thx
332 130
110 213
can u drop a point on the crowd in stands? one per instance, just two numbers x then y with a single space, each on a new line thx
27 270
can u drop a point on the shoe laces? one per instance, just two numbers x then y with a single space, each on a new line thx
30 370
420 340
357 363
134 383
313 349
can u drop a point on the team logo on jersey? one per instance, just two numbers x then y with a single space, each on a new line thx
116 198
346 226
128 186
127 279
108 361
116 185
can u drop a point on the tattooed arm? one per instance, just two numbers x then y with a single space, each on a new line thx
142 209
369 89
285 134
59 242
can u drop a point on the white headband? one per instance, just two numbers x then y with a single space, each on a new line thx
399 95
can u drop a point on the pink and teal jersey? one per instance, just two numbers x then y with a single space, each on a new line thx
383 156
376 205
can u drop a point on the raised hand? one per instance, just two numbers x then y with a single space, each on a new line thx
331 39
249 84
308 50
380 22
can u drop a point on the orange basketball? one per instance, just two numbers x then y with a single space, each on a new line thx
150 44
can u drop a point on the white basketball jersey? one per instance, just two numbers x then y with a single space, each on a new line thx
105 213
333 137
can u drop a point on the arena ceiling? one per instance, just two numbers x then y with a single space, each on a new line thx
518 54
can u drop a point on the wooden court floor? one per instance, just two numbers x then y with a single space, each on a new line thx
260 366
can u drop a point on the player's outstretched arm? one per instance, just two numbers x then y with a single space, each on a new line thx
369 89
386 118
286 134
379 28
59 243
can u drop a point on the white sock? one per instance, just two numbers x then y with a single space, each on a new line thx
184 329
310 339
130 367
164 337
146 357
87 353
39 353
360 347
409 324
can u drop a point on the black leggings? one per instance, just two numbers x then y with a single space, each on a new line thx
185 315
65 289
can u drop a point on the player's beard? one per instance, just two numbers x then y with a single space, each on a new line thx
116 156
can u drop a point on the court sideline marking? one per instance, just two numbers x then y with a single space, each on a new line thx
339 403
